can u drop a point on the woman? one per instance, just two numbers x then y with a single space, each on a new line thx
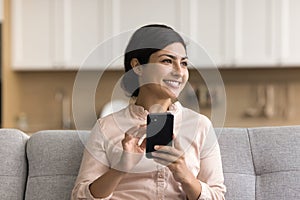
114 165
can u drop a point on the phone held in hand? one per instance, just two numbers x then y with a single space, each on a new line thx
159 131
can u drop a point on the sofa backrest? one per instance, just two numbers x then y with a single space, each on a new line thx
258 163
276 159
13 164
237 163
261 163
54 158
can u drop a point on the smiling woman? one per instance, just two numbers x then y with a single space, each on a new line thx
143 43
114 164
166 70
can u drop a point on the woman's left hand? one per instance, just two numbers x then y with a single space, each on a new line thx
174 159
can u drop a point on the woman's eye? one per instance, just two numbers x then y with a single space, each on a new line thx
167 61
184 64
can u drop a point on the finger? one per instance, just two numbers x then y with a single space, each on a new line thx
165 157
177 143
127 139
132 130
162 162
141 131
143 144
167 149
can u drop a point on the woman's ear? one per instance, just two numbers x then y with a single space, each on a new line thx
136 66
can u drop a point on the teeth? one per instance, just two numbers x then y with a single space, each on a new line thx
173 83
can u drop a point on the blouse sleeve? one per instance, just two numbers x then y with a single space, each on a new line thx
211 172
94 164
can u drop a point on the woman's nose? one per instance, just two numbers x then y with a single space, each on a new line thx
177 69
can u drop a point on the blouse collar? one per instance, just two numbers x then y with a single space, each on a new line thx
139 112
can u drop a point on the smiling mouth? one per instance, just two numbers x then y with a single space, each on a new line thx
173 84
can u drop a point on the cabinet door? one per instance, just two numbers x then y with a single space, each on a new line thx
32 26
207 24
129 15
85 29
132 14
290 38
255 32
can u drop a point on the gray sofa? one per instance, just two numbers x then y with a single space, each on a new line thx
258 163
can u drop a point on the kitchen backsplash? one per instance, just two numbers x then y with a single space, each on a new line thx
254 97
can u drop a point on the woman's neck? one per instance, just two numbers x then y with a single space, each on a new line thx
153 104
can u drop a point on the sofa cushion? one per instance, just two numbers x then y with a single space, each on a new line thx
276 159
54 158
237 163
13 164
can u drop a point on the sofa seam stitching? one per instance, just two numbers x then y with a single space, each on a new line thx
52 175
248 134
27 167
6 175
239 173
281 171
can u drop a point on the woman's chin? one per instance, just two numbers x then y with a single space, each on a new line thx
173 95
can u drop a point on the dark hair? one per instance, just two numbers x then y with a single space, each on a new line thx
144 42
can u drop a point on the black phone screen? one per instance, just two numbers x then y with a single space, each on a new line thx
159 131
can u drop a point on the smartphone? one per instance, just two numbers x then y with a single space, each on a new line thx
159 131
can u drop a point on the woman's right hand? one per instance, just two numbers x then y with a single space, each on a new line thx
132 150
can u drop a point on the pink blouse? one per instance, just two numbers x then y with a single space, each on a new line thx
149 180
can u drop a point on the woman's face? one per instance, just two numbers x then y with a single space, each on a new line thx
166 72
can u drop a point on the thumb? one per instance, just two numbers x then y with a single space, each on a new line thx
177 143
143 144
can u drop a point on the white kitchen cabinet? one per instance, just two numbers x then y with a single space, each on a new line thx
207 25
290 33
86 26
256 33
61 34
129 15
1 11
199 21
57 34
266 33
64 34
234 33
245 33
32 34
